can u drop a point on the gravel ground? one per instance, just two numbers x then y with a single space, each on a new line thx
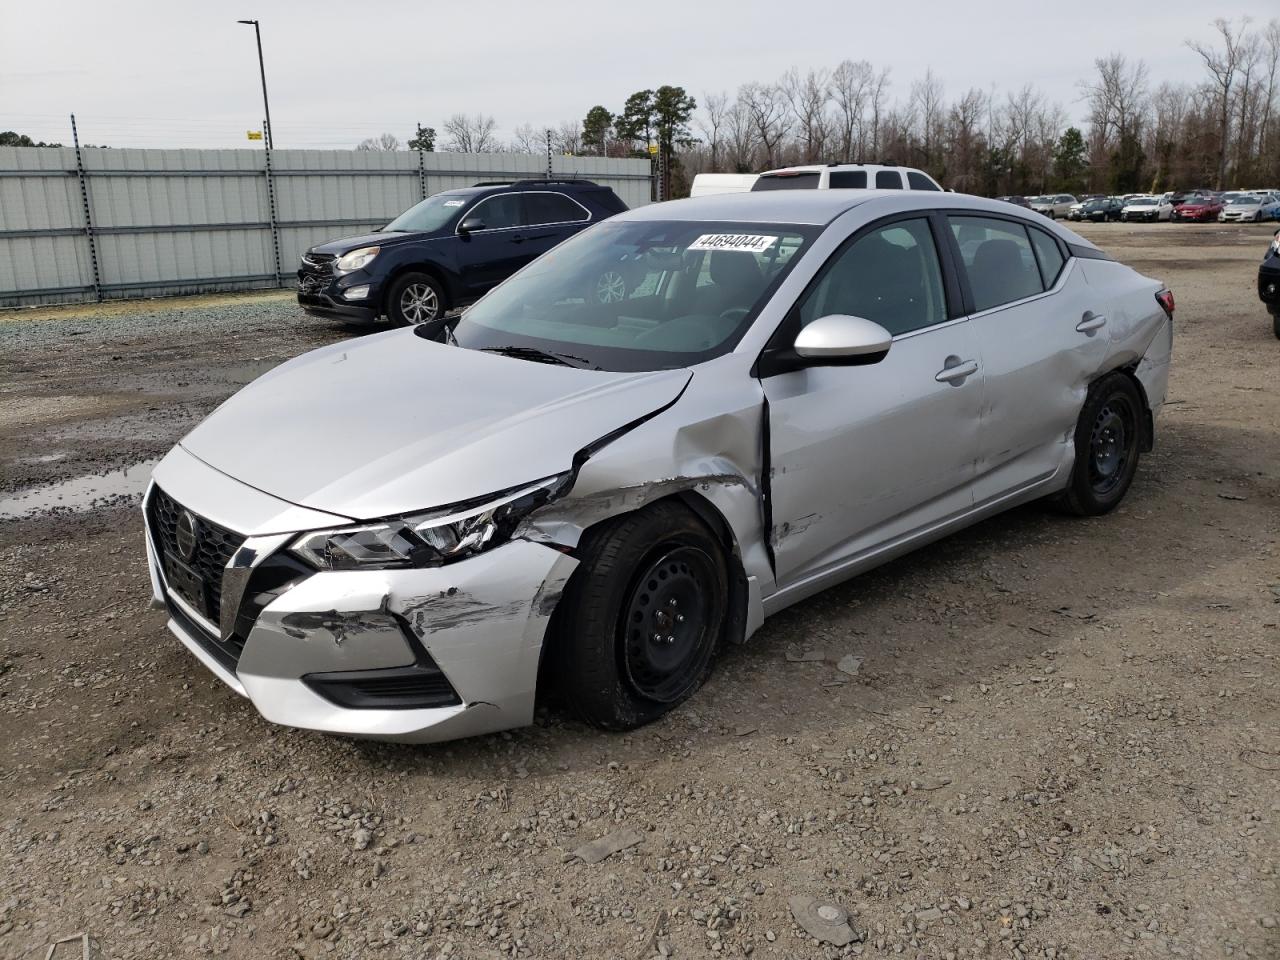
1062 741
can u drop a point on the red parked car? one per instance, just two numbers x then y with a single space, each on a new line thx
1199 208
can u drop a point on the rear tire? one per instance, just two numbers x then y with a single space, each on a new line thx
1108 435
641 619
415 298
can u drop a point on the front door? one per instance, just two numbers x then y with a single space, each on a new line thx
861 456
488 256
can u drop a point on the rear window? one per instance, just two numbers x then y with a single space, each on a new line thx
888 180
848 180
918 181
806 180
1048 255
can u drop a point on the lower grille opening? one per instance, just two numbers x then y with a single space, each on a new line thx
419 686
227 652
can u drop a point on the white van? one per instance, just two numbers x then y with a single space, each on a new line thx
707 184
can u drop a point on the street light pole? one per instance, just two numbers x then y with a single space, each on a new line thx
266 107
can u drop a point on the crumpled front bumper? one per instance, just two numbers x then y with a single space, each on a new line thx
481 621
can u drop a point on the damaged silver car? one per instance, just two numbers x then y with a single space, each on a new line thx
630 453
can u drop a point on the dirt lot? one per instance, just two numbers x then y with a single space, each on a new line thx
1063 741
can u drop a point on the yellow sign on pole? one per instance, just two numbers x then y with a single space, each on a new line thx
653 149
254 134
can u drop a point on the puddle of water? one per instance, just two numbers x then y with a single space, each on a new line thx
44 458
79 493
247 370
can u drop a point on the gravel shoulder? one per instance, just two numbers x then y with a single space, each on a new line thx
1062 740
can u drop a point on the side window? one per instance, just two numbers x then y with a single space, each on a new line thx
848 180
552 208
890 275
997 259
1049 256
888 180
918 181
499 212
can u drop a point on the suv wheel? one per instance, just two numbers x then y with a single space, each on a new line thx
414 298
1107 440
638 626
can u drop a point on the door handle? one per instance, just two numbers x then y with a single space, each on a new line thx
957 370
517 238
1090 322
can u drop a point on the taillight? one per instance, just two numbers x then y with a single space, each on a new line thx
1165 299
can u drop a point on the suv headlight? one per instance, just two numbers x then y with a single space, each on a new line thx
426 539
356 259
1275 244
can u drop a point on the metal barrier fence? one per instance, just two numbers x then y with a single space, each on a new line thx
94 224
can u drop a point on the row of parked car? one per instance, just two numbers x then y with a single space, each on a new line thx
1239 206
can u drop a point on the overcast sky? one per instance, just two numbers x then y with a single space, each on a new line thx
184 73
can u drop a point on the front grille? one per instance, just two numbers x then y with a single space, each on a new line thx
215 546
318 262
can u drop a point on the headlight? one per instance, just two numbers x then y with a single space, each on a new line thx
356 259
1275 244
426 539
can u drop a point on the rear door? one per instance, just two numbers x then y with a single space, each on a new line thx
863 455
549 218
487 257
1042 335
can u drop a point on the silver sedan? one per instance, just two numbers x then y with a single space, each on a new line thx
397 537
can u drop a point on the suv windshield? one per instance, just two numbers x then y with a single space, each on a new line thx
642 295
801 180
431 214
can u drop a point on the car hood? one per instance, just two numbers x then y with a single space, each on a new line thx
394 423
347 244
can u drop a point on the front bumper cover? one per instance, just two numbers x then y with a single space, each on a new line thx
481 621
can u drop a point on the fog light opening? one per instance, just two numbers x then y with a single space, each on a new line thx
356 293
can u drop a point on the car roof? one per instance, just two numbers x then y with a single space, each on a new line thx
815 207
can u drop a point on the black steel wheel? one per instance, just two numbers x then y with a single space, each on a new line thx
638 626
672 604
1108 440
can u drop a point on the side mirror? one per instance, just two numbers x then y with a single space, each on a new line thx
840 339
471 225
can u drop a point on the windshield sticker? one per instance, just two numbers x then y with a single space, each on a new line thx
733 241
454 203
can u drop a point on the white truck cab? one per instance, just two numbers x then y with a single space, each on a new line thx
846 176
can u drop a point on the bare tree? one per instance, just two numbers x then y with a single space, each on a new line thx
529 139
712 120
807 97
567 138
742 140
928 110
767 109
851 84
1271 68
380 143
1223 65
471 133
879 96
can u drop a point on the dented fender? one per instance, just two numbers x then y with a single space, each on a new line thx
708 445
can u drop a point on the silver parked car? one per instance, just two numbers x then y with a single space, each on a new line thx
395 537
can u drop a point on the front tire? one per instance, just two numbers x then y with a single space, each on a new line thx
639 624
415 298
1108 435
1275 324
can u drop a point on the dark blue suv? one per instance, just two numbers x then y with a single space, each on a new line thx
448 250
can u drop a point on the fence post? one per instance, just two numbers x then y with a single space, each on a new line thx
271 201
88 213
549 154
422 169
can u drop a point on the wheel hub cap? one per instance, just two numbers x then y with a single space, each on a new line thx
666 620
1109 444
419 303
611 287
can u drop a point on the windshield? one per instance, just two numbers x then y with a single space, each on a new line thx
1250 201
429 215
803 180
1143 202
640 295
